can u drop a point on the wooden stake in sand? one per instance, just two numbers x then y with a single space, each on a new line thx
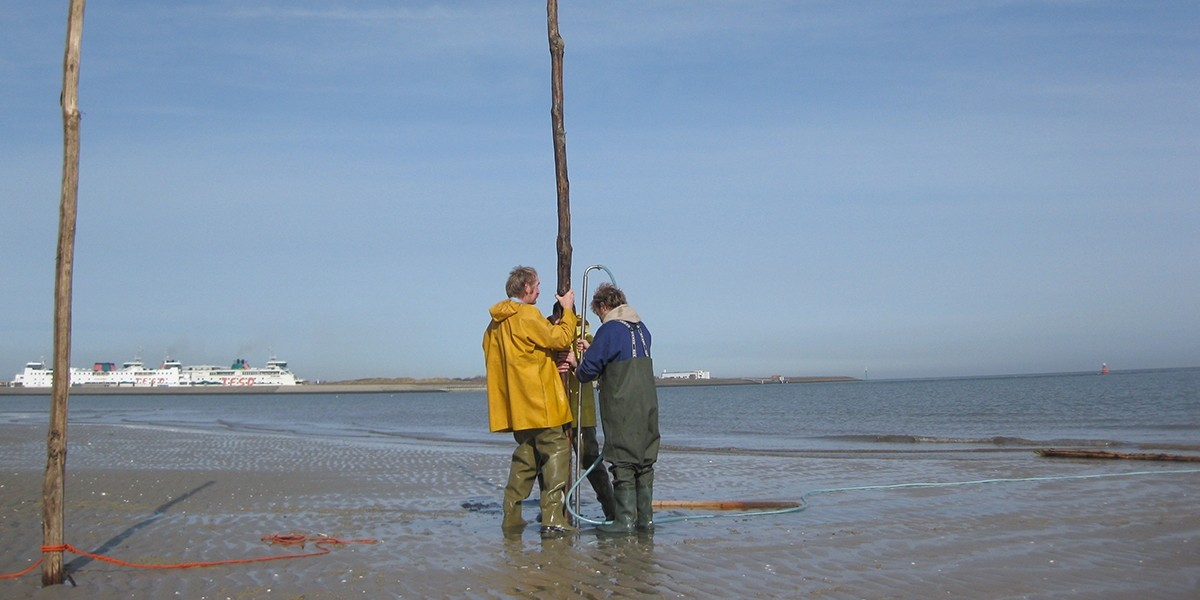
563 187
560 150
56 438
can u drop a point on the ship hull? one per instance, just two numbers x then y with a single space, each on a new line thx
134 374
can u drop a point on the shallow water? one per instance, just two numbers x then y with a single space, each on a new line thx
1151 410
177 478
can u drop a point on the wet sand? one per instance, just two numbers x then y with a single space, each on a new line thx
165 497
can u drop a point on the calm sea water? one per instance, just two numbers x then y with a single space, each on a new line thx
1127 411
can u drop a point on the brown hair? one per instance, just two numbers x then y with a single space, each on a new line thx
608 296
518 279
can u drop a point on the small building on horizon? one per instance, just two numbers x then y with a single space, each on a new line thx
685 375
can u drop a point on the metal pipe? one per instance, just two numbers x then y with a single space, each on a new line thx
575 467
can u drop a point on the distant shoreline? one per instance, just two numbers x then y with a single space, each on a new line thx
380 386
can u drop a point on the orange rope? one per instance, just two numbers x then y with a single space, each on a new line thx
724 504
321 543
20 573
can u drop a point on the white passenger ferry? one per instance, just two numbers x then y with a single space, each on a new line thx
171 373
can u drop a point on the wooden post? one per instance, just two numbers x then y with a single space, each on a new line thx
563 187
56 439
560 148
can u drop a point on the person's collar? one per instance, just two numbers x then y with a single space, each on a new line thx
623 312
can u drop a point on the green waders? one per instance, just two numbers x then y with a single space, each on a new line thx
629 415
634 500
546 450
625 507
522 473
645 500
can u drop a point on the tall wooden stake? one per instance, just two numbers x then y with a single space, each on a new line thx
56 439
560 148
563 186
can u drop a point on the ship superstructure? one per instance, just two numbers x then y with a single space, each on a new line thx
171 373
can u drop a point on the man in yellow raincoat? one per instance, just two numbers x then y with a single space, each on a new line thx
526 396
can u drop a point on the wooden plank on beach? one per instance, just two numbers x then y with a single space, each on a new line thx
1054 453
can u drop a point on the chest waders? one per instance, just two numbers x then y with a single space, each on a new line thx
629 411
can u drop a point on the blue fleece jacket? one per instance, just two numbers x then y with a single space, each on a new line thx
615 341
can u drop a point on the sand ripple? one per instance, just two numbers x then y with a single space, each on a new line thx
158 496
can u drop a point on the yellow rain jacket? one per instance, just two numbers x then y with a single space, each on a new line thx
524 387
589 397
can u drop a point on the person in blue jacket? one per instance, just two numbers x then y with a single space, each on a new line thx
619 356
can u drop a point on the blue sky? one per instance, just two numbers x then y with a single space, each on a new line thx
905 189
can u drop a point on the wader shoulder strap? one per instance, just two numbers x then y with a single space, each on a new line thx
640 334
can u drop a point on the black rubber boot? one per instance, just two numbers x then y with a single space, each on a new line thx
645 501
625 507
604 492
598 476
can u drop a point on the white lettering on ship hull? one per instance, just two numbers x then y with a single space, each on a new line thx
238 381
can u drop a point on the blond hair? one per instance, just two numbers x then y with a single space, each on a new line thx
518 279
